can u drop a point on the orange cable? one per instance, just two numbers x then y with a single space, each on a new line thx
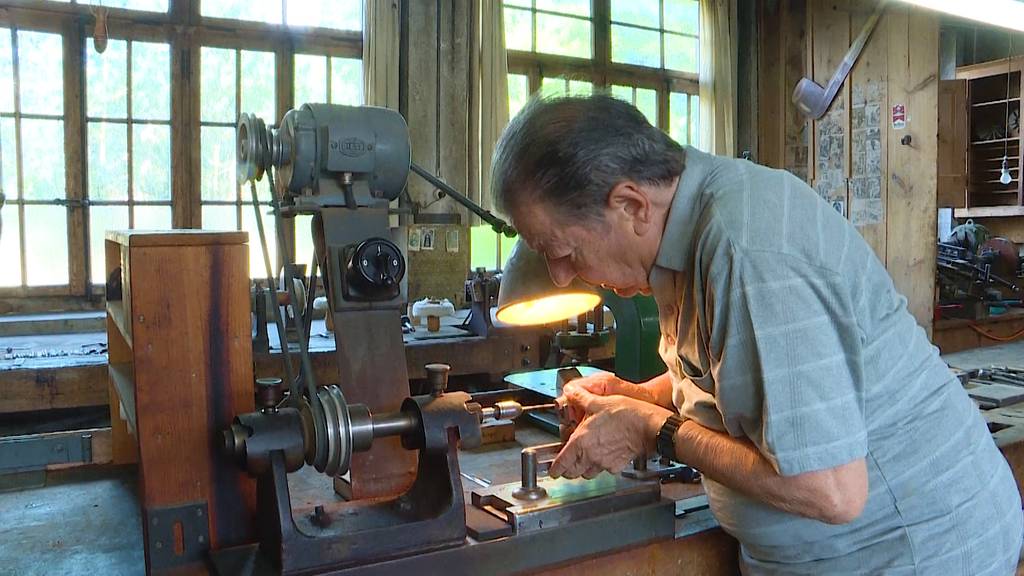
992 336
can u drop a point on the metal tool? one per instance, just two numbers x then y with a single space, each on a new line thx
344 165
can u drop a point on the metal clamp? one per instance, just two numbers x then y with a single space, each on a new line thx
533 465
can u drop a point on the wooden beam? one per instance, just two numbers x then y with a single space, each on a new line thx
47 388
910 222
869 115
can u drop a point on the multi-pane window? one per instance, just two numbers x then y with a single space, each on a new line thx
128 124
92 141
334 14
656 33
684 118
561 85
34 242
518 93
562 27
142 5
643 51
327 79
645 99
233 81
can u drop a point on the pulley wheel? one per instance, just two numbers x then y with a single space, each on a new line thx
253 147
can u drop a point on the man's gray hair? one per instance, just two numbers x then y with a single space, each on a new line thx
570 151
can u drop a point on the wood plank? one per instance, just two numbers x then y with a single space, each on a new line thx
710 553
193 373
181 134
910 225
121 378
74 153
868 121
421 90
989 211
138 238
795 54
453 113
952 145
772 100
830 136
48 388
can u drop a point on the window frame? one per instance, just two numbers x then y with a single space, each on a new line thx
186 31
601 70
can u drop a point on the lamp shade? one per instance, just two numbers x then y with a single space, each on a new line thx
528 296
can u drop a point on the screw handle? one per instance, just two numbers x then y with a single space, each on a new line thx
437 376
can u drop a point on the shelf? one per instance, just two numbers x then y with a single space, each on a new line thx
115 308
994 102
121 374
1015 139
989 212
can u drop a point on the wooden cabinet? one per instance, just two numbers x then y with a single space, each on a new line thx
991 107
178 329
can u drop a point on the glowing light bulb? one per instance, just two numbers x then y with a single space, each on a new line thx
1004 174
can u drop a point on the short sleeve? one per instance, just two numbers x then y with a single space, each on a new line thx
785 352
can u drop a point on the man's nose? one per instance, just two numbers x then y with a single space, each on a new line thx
561 272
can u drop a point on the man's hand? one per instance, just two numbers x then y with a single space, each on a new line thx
604 384
616 429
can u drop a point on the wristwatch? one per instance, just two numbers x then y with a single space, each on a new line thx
667 436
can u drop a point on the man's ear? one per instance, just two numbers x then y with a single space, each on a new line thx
631 202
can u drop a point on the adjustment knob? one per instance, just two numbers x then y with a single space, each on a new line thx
437 376
375 270
269 393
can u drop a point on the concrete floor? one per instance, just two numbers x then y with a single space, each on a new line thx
81 522
87 521
1009 354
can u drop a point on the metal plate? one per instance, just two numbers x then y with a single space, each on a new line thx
567 500
24 453
543 381
160 534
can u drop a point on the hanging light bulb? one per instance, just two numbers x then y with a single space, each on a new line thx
1004 174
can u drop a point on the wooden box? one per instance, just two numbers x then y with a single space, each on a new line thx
178 328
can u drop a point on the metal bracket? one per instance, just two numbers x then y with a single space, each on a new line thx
176 535
23 453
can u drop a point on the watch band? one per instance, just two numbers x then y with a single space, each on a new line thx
667 436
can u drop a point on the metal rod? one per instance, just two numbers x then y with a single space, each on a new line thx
499 225
282 338
393 424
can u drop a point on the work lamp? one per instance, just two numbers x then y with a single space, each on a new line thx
528 296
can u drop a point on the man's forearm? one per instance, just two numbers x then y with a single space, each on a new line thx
835 496
660 388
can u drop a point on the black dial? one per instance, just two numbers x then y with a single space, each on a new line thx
375 270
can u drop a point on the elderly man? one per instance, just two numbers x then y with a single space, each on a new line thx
832 437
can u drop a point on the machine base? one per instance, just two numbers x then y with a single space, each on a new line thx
531 550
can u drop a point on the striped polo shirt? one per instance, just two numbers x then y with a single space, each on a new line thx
780 325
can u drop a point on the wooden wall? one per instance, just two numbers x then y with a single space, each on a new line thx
853 156
434 98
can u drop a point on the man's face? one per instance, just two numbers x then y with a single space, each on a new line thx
600 251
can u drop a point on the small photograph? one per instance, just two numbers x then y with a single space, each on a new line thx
415 238
427 241
451 240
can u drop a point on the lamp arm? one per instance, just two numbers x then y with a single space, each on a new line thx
499 225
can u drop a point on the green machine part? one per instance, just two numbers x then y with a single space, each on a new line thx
637 334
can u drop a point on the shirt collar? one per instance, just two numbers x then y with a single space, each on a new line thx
678 237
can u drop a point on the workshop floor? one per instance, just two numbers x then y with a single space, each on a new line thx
86 522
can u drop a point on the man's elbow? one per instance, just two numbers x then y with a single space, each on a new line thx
842 507
841 493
